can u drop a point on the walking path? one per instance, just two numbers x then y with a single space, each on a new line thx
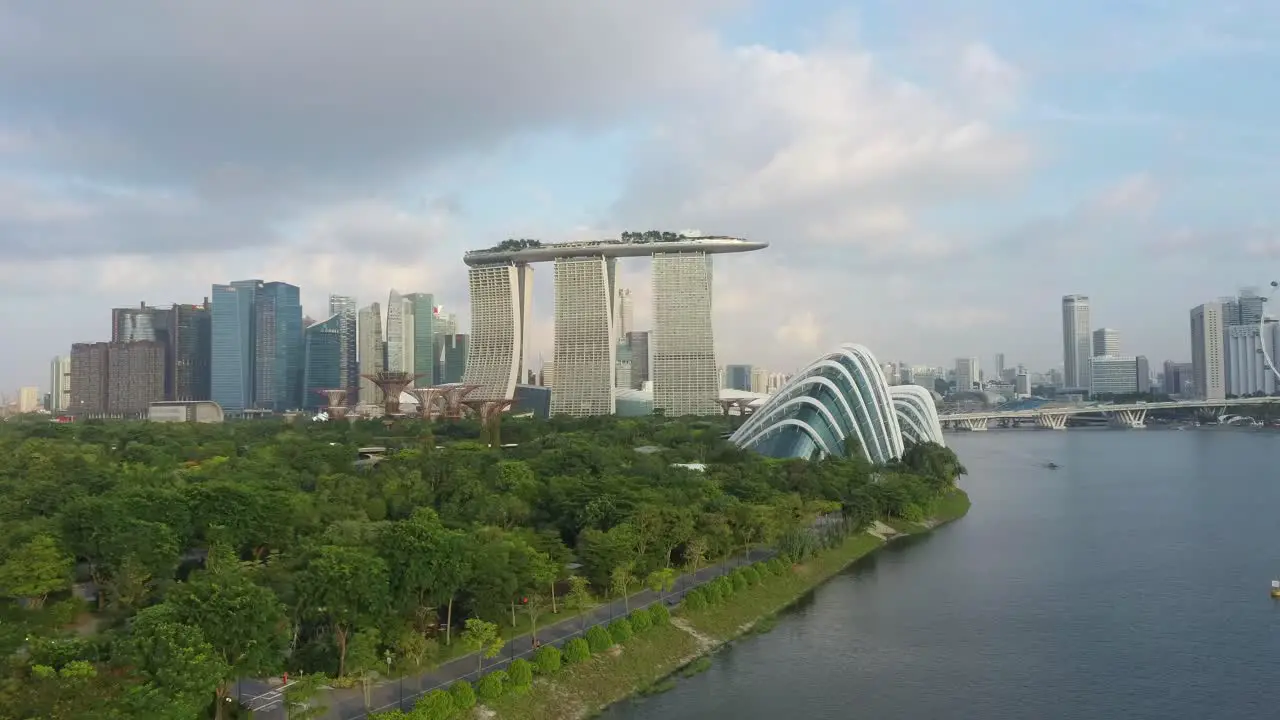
348 703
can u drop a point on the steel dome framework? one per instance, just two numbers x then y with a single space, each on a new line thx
841 395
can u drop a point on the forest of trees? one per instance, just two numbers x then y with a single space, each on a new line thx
145 567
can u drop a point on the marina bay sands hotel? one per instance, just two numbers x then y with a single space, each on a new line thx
684 371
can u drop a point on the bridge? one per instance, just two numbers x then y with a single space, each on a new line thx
1124 416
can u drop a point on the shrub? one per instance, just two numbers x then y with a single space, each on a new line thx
547 660
739 580
519 674
725 586
639 621
435 705
620 630
599 640
659 615
780 565
751 576
712 593
576 650
490 686
464 696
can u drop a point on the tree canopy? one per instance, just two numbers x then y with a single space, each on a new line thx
146 566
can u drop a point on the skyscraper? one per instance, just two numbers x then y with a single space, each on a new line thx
1246 368
451 358
684 371
422 311
967 375
501 311
1000 366
60 383
344 307
191 342
117 379
322 361
737 377
148 323
1077 349
625 315
1207 362
585 340
278 350
371 352
1106 343
232 352
399 329
638 342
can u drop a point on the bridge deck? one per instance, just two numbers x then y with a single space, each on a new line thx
1085 409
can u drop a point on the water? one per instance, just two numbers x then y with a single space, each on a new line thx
1132 582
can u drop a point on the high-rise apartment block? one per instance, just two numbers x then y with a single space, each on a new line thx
1207 356
371 352
116 379
1077 349
345 307
60 383
967 375
586 342
684 370
501 312
1106 343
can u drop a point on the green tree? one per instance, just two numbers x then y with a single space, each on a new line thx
346 588
620 582
173 668
35 570
245 623
363 661
481 637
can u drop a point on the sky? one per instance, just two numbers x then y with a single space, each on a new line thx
931 176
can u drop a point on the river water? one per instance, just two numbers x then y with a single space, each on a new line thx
1132 582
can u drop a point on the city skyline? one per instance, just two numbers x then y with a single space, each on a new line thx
968 204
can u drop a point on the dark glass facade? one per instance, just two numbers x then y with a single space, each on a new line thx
191 339
277 345
737 377
639 343
231 356
422 305
322 361
450 358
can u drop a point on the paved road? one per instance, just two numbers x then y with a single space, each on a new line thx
348 704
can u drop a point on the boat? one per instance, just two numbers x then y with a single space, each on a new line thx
1051 465
1275 589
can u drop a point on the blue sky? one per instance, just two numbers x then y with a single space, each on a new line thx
932 176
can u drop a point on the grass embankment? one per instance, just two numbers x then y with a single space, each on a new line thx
645 662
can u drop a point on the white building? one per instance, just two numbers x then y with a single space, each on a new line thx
1111 375
1076 346
585 340
1022 385
1246 367
501 312
684 371
625 323
399 333
1208 366
369 350
60 383
1106 343
967 375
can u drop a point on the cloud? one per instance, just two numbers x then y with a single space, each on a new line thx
824 153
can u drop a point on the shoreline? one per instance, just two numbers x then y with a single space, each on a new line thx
650 664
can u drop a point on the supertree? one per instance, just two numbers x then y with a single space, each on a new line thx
392 383
489 413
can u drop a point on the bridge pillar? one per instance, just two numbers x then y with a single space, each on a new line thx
1127 419
1051 421
974 424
